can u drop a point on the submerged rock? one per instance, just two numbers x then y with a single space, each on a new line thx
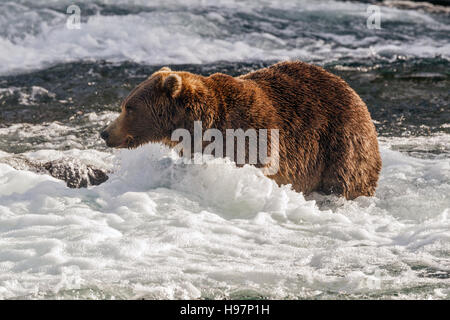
75 173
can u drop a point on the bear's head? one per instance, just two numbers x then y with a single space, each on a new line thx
164 102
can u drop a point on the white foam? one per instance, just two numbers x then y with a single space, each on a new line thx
81 133
179 35
161 229
27 96
432 146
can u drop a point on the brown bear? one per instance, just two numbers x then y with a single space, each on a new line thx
327 141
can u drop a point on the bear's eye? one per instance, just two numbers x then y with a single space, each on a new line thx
129 108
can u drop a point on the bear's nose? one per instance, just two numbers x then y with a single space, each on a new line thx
104 135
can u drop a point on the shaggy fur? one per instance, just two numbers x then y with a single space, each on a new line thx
328 142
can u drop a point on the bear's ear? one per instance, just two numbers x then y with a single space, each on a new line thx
173 85
164 69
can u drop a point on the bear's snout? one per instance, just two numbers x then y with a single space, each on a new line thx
104 134
113 135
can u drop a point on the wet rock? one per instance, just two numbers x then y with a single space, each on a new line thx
75 173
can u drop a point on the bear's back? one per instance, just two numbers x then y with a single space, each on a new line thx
301 86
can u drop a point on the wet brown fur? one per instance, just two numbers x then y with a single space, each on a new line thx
328 142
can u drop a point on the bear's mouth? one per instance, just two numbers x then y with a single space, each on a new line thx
135 142
131 142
